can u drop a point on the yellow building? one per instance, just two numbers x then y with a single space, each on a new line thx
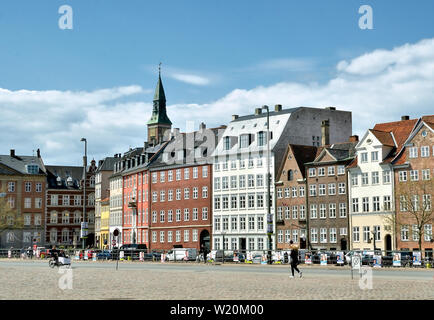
104 230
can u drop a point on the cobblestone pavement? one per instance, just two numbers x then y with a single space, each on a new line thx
100 280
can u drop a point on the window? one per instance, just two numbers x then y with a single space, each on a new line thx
375 177
244 140
376 203
341 187
242 164
251 201
186 214
425 174
225 223
365 179
322 211
217 223
402 176
302 212
28 186
295 235
186 235
301 191
195 192
233 182
178 174
428 232
161 236
415 232
234 201
195 172
403 205
426 202
260 200
186 193
216 183
260 244
312 172
170 176
374 156
287 213
294 192
354 179
404 233
365 202
234 223
242 181
154 177
162 216
251 223
341 170
279 193
242 201
342 210
356 234
290 175
366 233
387 203
323 235
225 202
331 171
195 235
280 236
414 175
233 165
162 176
27 219
321 172
65 200
38 203
154 216
11 186
154 196
178 236
205 213
242 223
355 205
53 217
204 192
415 202
226 143
205 172
186 173
322 189
312 190
413 152
314 235
313 211
364 157
259 180
332 189
178 194
386 176
162 196
294 212
333 235
65 217
424 151
54 200
169 215
261 138
169 236
225 183
27 203
170 195
332 210
260 223
195 214
251 181
343 231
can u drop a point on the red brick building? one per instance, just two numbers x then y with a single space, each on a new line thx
414 189
291 210
181 194
65 196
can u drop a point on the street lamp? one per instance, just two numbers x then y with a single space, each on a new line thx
269 215
223 246
83 226
133 206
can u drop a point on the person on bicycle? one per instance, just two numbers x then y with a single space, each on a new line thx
55 254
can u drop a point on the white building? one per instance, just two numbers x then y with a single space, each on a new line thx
371 186
240 168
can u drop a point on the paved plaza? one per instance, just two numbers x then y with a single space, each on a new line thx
24 279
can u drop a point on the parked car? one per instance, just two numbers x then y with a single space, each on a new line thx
105 254
180 254
132 250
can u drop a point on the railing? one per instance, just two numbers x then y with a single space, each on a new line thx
307 257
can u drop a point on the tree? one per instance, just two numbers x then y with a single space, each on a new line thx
415 206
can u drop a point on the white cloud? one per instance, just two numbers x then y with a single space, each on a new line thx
190 78
379 86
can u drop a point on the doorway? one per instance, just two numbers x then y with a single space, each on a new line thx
243 244
205 240
343 244
388 242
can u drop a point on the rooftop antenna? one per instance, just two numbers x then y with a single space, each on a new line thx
159 69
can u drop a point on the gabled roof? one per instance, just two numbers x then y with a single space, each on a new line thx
302 154
107 164
338 151
64 172
18 164
385 138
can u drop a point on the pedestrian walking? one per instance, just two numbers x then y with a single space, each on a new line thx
294 259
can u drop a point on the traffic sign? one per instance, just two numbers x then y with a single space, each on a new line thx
113 242
355 262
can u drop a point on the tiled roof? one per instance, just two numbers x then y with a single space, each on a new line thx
18 163
385 138
303 154
64 172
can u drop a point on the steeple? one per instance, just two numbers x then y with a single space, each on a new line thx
159 121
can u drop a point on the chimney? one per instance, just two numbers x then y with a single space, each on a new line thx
354 138
330 108
13 153
405 118
325 132
258 111
278 107
234 117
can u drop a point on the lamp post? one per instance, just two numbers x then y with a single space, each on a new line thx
269 215
133 206
84 233
223 246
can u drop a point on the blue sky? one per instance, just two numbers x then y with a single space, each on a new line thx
209 49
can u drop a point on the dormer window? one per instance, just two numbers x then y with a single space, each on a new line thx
227 143
59 181
70 182
245 140
261 138
32 168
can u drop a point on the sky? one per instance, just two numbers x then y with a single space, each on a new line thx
218 58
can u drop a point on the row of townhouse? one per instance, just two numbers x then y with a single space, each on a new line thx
43 204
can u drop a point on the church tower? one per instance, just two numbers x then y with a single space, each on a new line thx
159 122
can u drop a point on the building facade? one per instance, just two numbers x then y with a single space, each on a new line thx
414 189
22 200
291 210
66 202
240 169
116 204
327 196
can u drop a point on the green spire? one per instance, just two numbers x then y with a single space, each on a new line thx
159 115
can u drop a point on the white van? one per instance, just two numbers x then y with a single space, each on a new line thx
182 254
